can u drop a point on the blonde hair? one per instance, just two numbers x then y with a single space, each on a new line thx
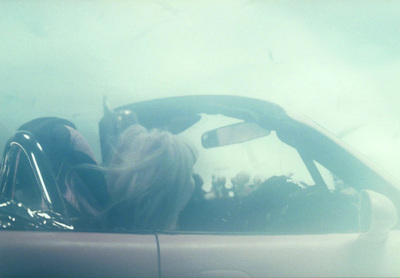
149 179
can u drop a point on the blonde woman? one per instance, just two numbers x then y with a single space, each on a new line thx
150 180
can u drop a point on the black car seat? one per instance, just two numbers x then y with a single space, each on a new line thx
81 183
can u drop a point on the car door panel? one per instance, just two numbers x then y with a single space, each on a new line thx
64 254
330 255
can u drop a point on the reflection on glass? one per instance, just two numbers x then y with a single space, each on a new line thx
41 178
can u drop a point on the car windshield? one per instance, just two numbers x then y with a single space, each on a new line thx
260 158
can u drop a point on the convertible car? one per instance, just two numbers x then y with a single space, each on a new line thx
276 196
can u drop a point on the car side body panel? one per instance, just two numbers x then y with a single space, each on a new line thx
67 254
333 255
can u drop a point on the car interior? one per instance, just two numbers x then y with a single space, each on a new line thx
276 205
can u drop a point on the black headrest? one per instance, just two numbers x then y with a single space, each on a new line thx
54 136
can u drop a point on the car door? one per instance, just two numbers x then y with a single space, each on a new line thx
74 254
313 248
316 245
244 255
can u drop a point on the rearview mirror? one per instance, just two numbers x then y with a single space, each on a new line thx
233 134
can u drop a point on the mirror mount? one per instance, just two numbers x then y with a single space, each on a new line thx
377 216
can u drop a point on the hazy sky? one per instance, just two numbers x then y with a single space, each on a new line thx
337 62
